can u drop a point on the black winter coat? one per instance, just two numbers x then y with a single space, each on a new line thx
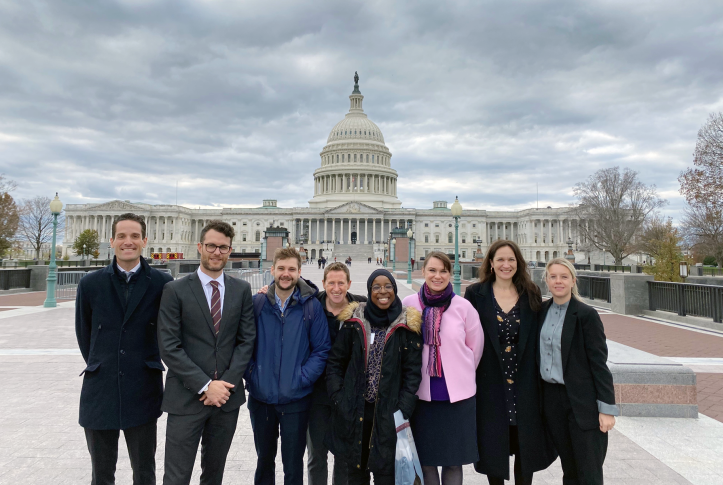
319 395
123 382
401 374
584 351
493 436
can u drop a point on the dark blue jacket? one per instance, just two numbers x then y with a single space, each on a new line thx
123 378
290 354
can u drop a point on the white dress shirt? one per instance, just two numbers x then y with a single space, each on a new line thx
208 291
129 274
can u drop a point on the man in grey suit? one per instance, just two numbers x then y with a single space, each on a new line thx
206 334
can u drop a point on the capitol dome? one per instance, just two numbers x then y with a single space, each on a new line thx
355 163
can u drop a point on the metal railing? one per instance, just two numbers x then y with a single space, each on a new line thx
14 278
612 268
67 286
581 267
594 287
712 272
687 299
257 280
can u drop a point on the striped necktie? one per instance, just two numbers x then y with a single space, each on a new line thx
216 307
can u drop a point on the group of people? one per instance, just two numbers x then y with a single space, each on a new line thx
322 262
480 378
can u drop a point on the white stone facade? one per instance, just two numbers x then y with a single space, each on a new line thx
355 200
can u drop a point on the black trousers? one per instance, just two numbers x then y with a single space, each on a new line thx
267 421
214 428
361 475
514 450
582 452
318 454
103 448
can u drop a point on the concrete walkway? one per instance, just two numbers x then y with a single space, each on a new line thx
41 442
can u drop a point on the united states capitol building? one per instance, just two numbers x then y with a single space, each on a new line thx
353 211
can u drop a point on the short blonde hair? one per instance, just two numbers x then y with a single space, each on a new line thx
567 264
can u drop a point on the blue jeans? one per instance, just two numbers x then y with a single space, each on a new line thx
267 422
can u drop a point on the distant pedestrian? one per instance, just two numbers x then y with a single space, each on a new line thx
122 390
412 264
319 261
323 263
370 260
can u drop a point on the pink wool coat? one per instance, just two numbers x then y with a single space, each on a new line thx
461 349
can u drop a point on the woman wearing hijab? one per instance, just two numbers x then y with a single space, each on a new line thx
444 421
373 370
509 421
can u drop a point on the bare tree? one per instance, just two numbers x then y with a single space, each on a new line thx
8 214
703 229
617 204
702 187
36 222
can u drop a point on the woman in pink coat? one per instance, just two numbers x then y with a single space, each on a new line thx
444 421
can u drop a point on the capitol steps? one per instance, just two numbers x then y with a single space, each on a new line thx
358 252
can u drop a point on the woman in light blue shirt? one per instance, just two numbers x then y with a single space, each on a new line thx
578 399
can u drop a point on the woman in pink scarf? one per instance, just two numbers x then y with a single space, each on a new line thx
444 421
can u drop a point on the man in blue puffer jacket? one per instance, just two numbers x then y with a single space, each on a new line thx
292 344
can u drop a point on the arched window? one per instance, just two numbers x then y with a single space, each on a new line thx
258 236
450 237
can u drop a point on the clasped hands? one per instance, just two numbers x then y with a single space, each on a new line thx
217 394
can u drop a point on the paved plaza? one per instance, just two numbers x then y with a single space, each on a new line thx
41 442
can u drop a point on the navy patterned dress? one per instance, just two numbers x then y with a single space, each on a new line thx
509 332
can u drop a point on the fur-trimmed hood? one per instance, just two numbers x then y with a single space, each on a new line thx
409 316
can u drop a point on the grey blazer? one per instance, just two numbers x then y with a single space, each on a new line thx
193 353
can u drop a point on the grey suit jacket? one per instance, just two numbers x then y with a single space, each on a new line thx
193 353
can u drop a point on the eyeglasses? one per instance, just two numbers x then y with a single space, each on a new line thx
211 248
377 288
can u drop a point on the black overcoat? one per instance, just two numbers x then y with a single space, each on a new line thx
493 437
401 375
584 362
123 377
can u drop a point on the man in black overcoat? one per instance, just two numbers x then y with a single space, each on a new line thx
116 310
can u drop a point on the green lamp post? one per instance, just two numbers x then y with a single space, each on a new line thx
394 256
56 208
384 260
409 263
456 213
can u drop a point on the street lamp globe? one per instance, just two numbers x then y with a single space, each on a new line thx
56 206
409 233
456 208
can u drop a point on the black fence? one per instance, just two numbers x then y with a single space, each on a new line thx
686 299
14 278
594 287
711 271
616 269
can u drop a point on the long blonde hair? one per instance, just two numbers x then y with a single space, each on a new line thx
566 263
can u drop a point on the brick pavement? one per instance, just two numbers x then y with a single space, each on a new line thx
661 340
33 298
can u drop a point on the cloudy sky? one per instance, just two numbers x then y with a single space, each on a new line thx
233 100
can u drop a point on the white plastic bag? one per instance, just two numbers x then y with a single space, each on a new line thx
407 470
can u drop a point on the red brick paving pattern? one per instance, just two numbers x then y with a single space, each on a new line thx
667 341
34 298
661 340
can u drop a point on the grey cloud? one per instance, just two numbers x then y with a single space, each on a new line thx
484 100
